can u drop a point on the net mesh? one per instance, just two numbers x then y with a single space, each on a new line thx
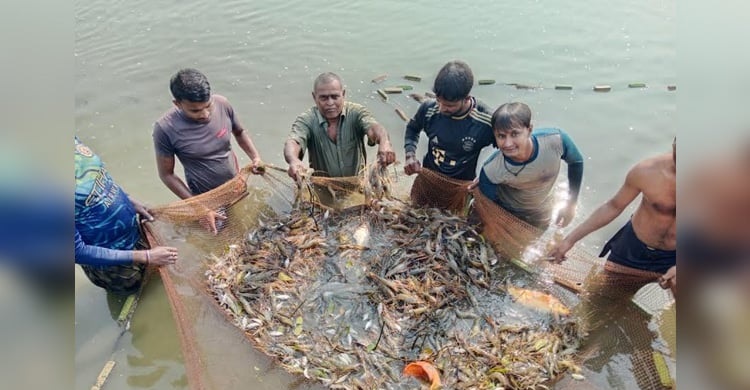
288 279
185 333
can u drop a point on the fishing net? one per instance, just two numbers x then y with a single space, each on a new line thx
351 297
605 288
345 282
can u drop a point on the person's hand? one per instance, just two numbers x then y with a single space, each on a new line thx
412 165
209 221
258 167
386 155
142 210
473 184
566 215
295 169
669 279
241 183
559 250
162 255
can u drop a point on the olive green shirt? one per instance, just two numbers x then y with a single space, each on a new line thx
346 156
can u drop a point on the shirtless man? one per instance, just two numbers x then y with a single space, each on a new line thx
648 241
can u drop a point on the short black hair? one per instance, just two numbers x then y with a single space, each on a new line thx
454 81
511 115
191 85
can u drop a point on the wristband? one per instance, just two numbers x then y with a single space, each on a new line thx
148 256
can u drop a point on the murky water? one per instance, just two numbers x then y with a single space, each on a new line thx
264 56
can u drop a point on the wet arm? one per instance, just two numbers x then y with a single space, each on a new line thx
292 152
607 212
245 143
377 133
165 167
293 155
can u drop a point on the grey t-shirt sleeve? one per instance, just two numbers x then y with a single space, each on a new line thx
232 115
162 143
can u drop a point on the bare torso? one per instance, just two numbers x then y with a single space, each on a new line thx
655 221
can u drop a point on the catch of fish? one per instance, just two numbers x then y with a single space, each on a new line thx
384 295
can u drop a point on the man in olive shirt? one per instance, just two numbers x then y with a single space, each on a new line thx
333 131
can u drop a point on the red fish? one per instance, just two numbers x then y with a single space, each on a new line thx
425 372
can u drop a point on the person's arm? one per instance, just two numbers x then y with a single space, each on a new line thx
294 147
292 155
574 159
165 154
99 256
142 210
486 186
669 280
379 135
96 255
603 215
242 136
483 181
165 167
246 144
411 140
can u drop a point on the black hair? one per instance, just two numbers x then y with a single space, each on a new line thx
511 115
454 81
191 85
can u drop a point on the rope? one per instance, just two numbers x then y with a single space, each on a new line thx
385 91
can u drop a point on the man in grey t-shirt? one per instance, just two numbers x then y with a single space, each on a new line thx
197 130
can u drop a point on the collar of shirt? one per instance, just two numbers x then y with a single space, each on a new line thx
471 107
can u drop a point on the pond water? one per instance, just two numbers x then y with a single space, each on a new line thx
263 56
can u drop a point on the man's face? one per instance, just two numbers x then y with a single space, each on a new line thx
197 111
329 98
515 143
452 108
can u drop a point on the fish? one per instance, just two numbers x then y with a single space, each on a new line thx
538 300
362 235
425 372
